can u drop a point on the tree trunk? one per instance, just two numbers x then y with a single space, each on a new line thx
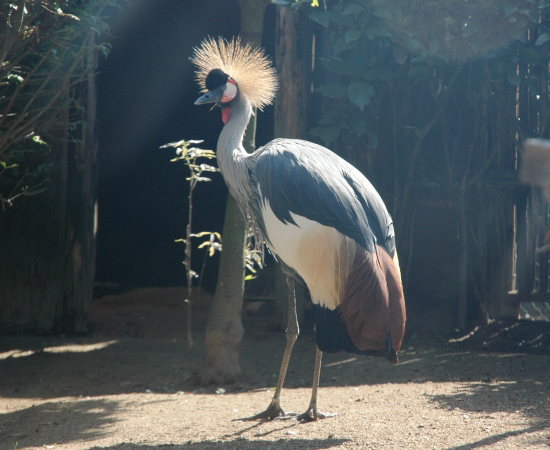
293 60
224 330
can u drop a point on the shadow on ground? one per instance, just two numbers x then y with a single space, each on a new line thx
495 439
75 368
237 443
57 423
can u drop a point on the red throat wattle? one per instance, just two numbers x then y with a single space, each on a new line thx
226 114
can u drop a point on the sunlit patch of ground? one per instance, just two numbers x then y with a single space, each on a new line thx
125 387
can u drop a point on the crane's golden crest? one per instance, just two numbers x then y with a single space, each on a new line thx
247 65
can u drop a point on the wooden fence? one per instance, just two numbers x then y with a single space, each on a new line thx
529 278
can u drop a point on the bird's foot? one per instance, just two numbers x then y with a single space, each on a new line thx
273 411
312 415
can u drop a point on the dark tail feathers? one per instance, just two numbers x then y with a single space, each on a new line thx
373 305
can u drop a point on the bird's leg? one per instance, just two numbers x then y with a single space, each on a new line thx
292 330
312 412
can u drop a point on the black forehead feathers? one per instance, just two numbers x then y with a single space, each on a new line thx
215 79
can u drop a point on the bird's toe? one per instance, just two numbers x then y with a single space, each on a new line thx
313 414
273 411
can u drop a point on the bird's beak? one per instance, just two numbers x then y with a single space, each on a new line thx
213 96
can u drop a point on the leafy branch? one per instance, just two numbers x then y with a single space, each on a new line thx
191 155
44 54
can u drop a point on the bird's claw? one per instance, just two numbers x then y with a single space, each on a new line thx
273 411
312 415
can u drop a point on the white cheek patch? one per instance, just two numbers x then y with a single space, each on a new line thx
230 91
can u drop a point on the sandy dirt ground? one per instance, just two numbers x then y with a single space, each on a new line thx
127 385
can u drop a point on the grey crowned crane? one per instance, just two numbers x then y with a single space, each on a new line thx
315 212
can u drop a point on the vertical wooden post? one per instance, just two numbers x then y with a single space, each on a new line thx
293 61
80 209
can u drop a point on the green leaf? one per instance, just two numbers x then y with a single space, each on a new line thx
201 234
377 30
14 78
382 73
250 266
352 35
327 134
182 143
384 10
6 166
543 39
215 246
320 17
351 65
352 8
360 93
37 139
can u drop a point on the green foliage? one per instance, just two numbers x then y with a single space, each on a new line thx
431 99
191 155
212 244
27 171
44 61
369 45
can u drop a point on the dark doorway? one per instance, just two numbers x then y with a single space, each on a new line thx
146 93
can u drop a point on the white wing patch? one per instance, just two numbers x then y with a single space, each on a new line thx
321 255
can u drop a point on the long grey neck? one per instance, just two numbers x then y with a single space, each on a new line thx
230 151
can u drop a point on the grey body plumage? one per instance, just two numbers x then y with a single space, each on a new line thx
316 212
310 180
